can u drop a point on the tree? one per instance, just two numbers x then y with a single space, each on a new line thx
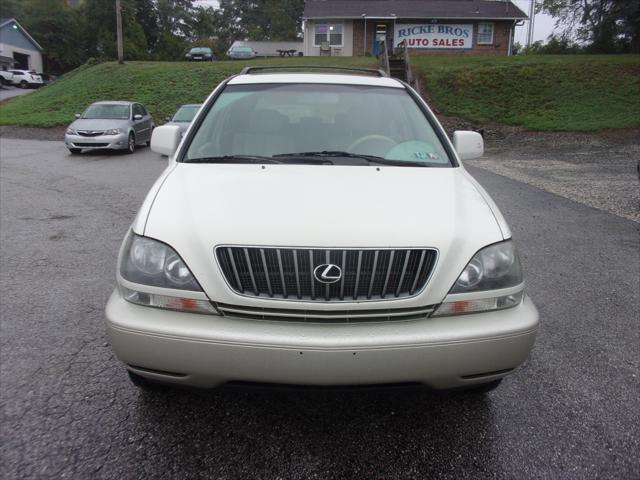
12 9
174 16
605 26
147 15
204 25
58 29
259 20
100 30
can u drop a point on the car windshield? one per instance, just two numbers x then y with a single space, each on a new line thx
186 113
120 112
338 124
200 50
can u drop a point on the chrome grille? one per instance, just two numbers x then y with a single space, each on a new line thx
331 316
287 273
90 133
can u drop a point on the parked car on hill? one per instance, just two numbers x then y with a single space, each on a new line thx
183 116
241 53
321 229
26 78
6 77
113 125
200 54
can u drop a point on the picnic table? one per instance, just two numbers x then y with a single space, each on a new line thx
286 53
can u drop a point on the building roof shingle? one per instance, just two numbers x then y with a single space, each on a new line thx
445 9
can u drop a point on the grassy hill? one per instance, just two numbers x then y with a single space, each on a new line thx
568 92
160 86
540 92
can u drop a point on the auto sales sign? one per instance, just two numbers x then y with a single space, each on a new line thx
434 35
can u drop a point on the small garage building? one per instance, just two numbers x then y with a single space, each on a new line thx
427 27
18 48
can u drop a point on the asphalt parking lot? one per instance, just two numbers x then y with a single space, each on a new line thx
69 411
10 91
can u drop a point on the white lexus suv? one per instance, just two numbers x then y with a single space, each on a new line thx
318 229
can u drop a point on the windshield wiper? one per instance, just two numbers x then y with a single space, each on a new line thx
370 159
234 159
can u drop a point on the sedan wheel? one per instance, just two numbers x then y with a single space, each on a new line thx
24 84
131 146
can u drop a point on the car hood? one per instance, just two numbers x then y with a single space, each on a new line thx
98 124
200 206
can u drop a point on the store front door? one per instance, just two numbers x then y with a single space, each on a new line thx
383 31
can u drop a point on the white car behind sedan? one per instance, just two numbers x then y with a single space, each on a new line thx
26 78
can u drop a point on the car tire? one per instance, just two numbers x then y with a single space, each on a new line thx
131 143
75 151
24 84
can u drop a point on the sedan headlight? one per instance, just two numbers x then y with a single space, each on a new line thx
152 263
496 267
71 131
115 131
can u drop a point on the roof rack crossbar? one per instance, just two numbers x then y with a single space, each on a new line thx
248 70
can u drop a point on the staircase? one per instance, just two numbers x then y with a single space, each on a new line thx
398 64
398 68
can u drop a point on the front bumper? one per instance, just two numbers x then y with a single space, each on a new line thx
110 142
208 350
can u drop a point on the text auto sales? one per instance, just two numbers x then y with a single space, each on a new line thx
434 36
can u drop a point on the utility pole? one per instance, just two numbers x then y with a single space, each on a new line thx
532 19
119 31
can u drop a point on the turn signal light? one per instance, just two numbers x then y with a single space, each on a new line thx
168 302
462 307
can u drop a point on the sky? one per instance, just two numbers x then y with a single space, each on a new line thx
543 26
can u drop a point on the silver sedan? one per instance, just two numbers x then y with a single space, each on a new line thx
184 116
110 125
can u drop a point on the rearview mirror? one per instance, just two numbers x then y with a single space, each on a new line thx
78 115
137 116
165 139
468 144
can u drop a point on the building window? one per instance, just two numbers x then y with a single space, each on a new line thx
327 32
485 33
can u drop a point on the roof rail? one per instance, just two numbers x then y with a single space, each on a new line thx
380 73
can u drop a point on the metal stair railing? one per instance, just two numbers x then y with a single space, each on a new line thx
385 58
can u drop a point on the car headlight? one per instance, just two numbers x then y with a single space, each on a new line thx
71 131
496 267
492 268
152 263
115 131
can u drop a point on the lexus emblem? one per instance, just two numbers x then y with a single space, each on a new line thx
327 273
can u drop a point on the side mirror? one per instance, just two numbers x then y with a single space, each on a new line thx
165 139
137 116
468 144
78 115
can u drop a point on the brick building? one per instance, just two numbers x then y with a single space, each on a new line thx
356 27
